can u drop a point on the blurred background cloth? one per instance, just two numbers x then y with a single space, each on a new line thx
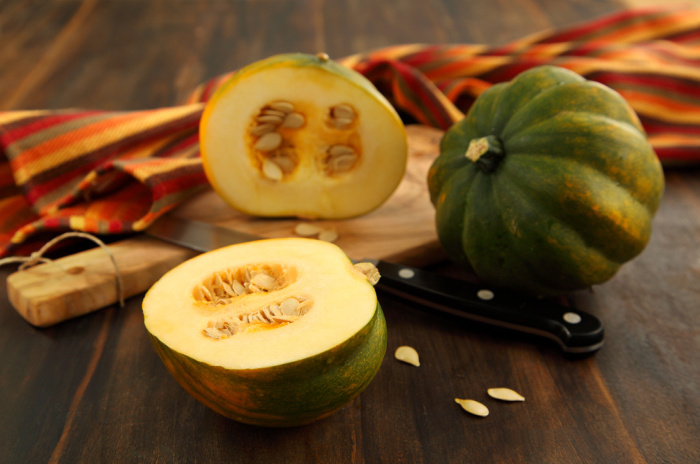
116 172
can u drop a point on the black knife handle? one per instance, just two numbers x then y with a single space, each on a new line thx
574 330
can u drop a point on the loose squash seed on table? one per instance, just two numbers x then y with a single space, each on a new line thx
505 394
408 355
304 229
328 235
473 407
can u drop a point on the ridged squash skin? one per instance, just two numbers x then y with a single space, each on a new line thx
560 190
288 395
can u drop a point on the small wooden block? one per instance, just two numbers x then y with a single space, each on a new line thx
69 287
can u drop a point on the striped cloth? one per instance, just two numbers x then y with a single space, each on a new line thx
116 172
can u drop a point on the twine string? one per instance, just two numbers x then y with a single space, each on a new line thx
37 257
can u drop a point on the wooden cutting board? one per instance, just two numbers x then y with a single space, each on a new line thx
402 230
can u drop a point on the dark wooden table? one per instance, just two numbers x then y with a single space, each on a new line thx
93 390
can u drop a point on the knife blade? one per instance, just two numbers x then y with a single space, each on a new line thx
575 331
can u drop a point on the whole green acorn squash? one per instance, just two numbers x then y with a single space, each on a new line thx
548 185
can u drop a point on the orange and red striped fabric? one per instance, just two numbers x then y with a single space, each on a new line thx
115 172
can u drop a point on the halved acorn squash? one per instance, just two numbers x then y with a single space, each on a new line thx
300 135
277 332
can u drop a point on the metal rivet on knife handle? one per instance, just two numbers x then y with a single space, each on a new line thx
572 318
406 273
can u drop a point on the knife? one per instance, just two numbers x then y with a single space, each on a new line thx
575 331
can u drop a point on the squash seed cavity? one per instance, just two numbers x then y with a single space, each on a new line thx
275 157
222 287
339 159
304 229
505 394
408 355
473 407
270 316
272 130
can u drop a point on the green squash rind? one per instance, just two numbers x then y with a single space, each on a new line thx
290 394
573 198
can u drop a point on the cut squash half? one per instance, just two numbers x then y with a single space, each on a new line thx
300 135
275 332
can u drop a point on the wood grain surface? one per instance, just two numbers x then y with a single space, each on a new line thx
93 390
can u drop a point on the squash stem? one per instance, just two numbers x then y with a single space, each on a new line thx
486 152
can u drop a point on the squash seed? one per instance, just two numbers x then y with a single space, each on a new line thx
275 119
293 121
407 354
370 271
267 314
328 235
252 288
228 289
268 141
285 163
264 281
340 150
262 129
271 170
212 332
473 407
275 310
342 163
341 123
289 306
304 229
237 287
224 331
505 394
206 293
273 112
233 324
343 112
281 105
282 318
304 306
